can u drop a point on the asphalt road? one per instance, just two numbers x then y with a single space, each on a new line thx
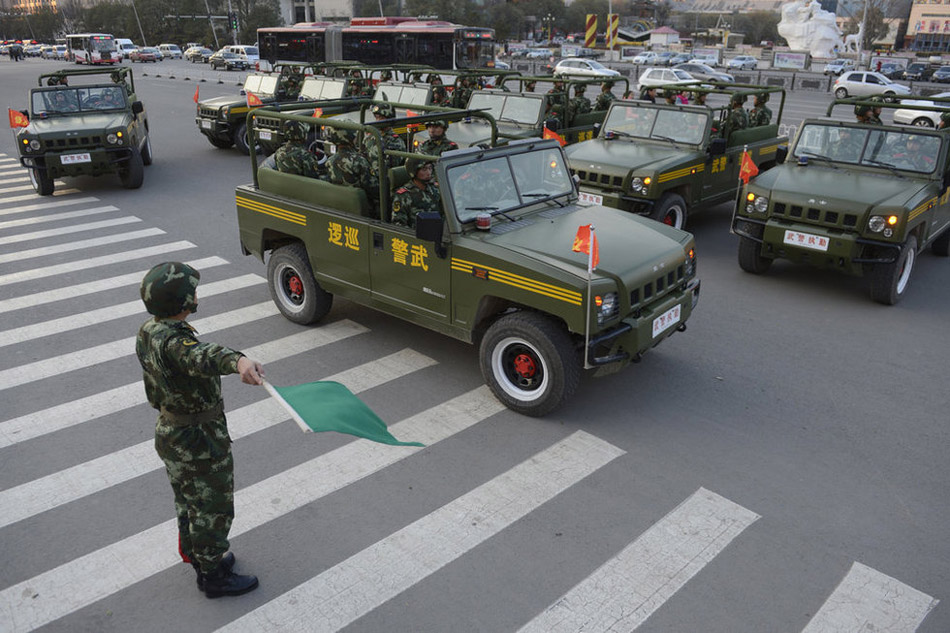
780 466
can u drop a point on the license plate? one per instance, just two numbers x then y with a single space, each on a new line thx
71 159
806 240
263 135
666 320
589 198
205 124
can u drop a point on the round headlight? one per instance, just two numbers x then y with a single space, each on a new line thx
876 223
761 204
34 145
111 138
636 184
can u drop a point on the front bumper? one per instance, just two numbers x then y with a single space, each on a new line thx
101 161
619 200
215 128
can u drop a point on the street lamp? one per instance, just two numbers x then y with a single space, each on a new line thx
550 20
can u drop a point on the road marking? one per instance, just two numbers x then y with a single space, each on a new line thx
55 217
88 357
77 584
8 160
867 600
361 583
50 272
66 415
33 196
100 285
631 586
109 313
46 205
19 256
66 230
17 179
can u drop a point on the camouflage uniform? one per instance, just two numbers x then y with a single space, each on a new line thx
579 104
463 92
435 147
760 114
412 199
605 96
738 119
293 157
391 141
944 125
348 166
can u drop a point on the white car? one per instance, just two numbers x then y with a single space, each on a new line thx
743 62
576 67
709 60
658 77
867 84
646 57
537 53
920 118
838 66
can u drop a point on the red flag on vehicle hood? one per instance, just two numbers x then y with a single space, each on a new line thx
17 119
196 94
546 133
586 242
747 169
253 101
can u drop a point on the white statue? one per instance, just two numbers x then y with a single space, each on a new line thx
806 26
853 42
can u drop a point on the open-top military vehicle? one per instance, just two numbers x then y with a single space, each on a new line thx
85 122
861 199
668 161
495 267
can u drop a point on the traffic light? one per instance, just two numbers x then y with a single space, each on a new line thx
233 20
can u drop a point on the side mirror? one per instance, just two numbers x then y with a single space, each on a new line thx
781 154
137 107
946 180
717 147
429 226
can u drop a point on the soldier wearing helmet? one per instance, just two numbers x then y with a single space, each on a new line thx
876 111
420 194
944 122
738 119
530 85
391 140
438 142
579 104
463 91
862 113
760 114
183 381
348 166
605 96
294 157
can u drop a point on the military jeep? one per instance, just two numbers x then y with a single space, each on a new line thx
495 267
85 122
861 199
669 161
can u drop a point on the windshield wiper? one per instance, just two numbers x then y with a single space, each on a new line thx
890 166
550 197
666 138
505 119
820 157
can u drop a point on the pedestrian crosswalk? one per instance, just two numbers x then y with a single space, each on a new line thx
50 333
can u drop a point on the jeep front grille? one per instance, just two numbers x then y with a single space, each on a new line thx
74 142
657 287
811 215
266 123
208 113
596 178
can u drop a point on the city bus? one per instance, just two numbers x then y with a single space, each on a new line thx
380 41
92 48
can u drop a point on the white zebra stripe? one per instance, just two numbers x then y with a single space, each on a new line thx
46 205
33 196
106 240
67 230
56 217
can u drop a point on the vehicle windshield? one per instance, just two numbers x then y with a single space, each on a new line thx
73 100
261 84
664 124
102 45
682 75
501 184
474 53
508 107
250 50
321 88
893 149
398 93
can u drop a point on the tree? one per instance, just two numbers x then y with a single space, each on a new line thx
876 29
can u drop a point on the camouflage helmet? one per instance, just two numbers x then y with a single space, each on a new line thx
762 97
169 288
945 118
440 122
385 110
531 83
579 89
737 99
386 75
293 131
415 163
608 84
862 110
342 136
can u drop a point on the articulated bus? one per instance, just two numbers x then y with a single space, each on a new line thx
380 41
92 48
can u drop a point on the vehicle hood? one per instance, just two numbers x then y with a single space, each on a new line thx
838 188
618 157
471 133
631 248
216 103
91 122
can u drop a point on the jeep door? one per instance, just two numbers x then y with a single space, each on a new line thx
407 274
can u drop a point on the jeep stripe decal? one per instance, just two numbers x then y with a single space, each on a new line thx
679 173
277 212
517 281
771 149
923 207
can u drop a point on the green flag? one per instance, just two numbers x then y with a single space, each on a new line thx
330 406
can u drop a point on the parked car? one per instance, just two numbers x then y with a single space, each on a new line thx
664 58
941 75
743 62
658 77
704 72
170 50
197 54
227 60
576 67
124 46
892 70
646 57
920 118
61 51
680 58
866 84
500 65
838 66
537 53
143 54
48 52
918 71
709 59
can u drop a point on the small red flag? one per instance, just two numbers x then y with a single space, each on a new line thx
17 119
586 242
747 169
318 112
546 133
196 94
253 101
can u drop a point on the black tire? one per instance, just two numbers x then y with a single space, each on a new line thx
841 93
220 143
529 362
147 151
293 288
133 174
889 281
923 122
670 210
941 245
42 183
240 138
749 258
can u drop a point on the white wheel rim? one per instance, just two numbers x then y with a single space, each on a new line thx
33 180
499 370
905 272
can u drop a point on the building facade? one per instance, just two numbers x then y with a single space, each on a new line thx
928 28
294 11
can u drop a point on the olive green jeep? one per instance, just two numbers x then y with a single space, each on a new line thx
669 161
861 199
495 266
85 122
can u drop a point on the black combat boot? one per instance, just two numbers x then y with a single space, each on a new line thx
226 561
224 582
